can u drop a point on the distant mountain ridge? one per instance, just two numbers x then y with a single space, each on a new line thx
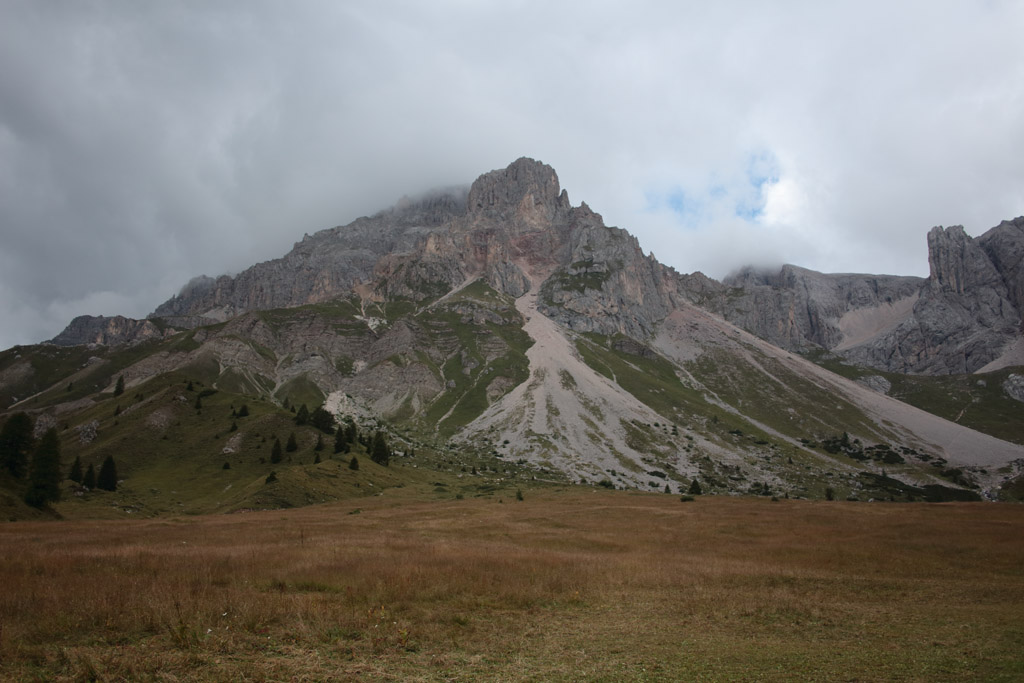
965 316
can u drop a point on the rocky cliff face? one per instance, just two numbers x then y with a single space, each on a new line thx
115 331
963 317
320 267
796 308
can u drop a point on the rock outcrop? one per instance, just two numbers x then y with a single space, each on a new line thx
797 308
963 319
965 315
113 331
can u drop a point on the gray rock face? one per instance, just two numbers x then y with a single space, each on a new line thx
959 319
796 308
963 319
1014 387
320 267
88 329
876 383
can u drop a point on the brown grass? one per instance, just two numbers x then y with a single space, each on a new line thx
569 585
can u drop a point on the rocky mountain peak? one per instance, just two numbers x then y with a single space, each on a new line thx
957 263
527 190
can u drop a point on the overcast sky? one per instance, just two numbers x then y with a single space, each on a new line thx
145 143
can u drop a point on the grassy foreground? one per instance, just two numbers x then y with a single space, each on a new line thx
566 585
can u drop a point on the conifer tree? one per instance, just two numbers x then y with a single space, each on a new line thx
16 444
380 453
695 488
302 417
107 478
316 459
353 464
89 480
322 420
243 411
340 441
319 444
44 474
292 444
75 474
275 452
119 387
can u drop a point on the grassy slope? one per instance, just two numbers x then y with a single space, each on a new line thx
566 585
975 401
171 459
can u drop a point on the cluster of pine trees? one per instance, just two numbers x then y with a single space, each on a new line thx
37 463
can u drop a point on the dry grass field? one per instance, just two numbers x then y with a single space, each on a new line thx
565 585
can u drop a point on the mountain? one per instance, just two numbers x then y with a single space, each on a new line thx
966 316
505 330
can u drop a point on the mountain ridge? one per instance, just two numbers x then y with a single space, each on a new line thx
505 321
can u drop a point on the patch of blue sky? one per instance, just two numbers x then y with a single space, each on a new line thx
688 207
762 169
742 193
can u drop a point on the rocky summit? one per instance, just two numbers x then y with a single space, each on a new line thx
504 322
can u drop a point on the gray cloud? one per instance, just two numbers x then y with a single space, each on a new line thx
143 144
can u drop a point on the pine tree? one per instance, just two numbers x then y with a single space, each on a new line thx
319 444
89 480
380 453
44 474
243 411
16 444
275 452
119 387
292 444
316 459
695 488
340 441
322 420
353 464
302 417
75 474
107 478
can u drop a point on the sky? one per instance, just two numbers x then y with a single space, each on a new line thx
145 143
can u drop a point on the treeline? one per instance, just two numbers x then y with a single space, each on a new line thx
35 464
